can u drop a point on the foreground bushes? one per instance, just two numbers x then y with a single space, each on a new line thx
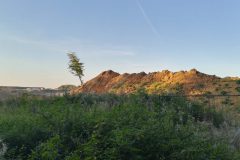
110 127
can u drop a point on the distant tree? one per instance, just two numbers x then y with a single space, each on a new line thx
75 66
66 87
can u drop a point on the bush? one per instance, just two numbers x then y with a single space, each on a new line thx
238 89
238 82
137 126
224 93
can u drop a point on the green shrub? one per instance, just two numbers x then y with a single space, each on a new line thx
89 126
227 101
238 82
238 89
224 93
200 86
217 118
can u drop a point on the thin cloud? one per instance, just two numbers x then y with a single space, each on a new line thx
115 52
71 44
147 19
37 44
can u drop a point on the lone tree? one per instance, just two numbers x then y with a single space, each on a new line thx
75 66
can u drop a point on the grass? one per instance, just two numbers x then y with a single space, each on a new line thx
89 126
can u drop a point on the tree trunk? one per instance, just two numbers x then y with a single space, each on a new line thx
81 81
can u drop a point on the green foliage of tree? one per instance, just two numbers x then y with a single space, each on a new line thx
75 66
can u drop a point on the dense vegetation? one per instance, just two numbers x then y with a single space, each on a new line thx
89 126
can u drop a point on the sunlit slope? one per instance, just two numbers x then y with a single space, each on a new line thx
190 82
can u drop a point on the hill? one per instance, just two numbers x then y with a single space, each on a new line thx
190 82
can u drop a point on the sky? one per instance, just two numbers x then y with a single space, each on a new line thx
121 35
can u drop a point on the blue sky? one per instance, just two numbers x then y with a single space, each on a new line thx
122 35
